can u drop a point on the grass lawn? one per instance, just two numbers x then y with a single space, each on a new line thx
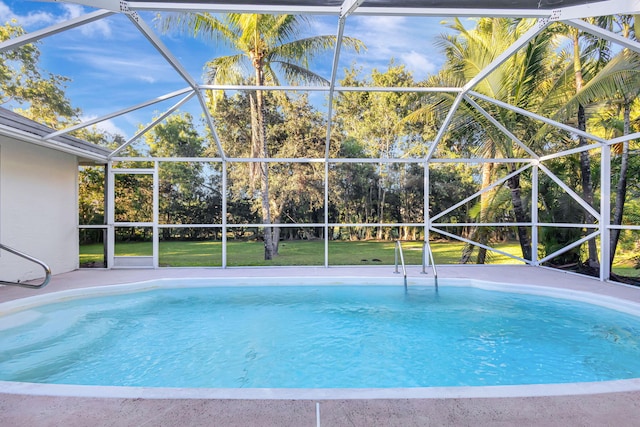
626 271
295 252
304 252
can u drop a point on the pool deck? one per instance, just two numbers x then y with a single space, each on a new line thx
607 404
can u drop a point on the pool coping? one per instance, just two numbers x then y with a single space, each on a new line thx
572 286
508 391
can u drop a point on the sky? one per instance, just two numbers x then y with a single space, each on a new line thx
112 66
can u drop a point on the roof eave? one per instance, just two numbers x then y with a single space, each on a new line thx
52 144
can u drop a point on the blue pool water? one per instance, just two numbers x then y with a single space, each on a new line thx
318 337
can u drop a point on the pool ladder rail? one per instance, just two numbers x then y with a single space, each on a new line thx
47 270
427 259
404 270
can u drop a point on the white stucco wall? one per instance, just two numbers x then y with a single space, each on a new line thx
38 209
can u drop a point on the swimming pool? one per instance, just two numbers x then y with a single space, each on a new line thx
409 339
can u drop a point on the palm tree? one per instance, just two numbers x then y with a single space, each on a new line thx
587 54
266 48
617 84
518 81
613 82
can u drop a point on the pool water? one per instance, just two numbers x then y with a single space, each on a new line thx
318 337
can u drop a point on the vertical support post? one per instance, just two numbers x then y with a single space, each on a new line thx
326 213
105 221
110 214
155 235
534 213
426 213
224 213
605 212
77 209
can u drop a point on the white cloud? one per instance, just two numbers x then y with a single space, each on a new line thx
41 19
110 127
408 40
383 35
322 26
386 23
106 126
96 28
113 62
418 64
28 20
148 79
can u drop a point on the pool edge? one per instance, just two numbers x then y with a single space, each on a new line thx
507 391
543 390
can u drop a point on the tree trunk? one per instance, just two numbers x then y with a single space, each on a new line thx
275 239
259 138
256 143
485 206
482 256
521 216
585 162
381 196
467 249
621 188
479 233
587 187
276 232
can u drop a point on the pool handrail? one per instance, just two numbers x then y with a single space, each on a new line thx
404 270
426 250
47 270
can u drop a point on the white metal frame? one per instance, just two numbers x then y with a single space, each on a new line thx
112 224
573 16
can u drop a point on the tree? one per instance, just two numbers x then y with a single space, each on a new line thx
556 206
617 86
233 125
183 189
268 46
584 56
598 82
295 130
519 81
23 83
374 119
297 190
353 186
91 195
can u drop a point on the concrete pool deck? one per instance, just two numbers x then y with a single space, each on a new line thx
614 404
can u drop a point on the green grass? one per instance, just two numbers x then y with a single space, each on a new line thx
291 253
624 264
626 271
304 252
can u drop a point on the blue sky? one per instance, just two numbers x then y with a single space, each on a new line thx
112 66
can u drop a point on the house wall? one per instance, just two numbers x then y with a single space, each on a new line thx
38 209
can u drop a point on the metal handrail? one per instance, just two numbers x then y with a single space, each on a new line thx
426 250
404 270
47 270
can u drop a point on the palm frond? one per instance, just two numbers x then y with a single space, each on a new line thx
295 73
620 78
223 70
199 25
284 27
270 76
303 50
227 69
560 86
